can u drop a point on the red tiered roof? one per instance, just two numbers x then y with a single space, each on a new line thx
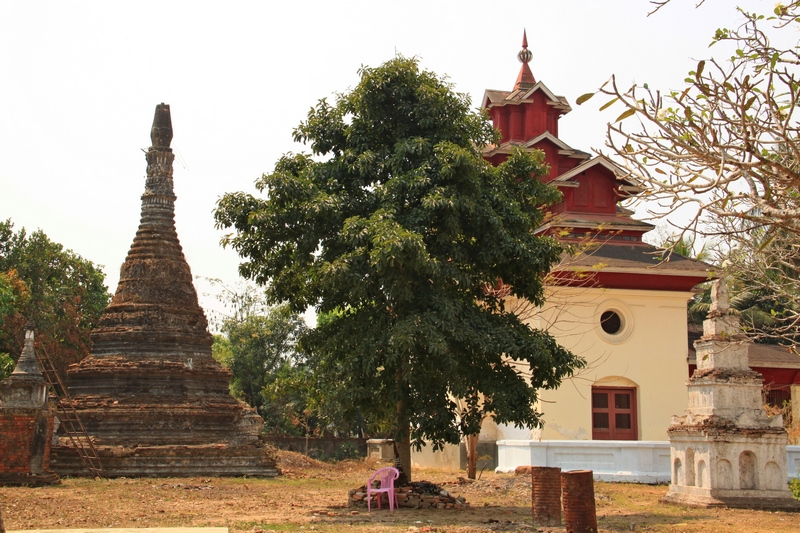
592 188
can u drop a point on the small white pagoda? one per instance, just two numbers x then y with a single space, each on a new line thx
725 450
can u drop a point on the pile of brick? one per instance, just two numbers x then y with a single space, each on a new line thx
417 495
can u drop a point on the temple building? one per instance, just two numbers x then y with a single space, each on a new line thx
619 303
151 397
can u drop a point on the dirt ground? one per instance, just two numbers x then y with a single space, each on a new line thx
312 496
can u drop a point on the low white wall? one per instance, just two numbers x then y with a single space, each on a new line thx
632 461
629 461
793 461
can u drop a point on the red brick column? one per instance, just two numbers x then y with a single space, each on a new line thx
16 443
25 436
577 489
546 495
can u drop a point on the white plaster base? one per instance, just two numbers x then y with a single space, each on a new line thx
624 461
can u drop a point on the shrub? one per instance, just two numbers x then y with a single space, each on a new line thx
794 486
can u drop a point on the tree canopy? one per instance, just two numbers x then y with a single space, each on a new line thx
259 345
396 226
61 292
722 153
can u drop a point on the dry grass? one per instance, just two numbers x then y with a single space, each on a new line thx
311 496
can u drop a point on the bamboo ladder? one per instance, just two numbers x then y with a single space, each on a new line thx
69 417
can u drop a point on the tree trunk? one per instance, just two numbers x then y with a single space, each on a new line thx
471 442
403 445
404 453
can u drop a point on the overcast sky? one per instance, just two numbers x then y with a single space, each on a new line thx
79 82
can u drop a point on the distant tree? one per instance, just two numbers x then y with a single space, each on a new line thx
60 291
13 295
725 150
254 348
396 221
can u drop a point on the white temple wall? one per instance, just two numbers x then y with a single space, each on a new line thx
627 461
648 353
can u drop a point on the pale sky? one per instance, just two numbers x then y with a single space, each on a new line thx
79 82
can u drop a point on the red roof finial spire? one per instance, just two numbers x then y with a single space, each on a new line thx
525 80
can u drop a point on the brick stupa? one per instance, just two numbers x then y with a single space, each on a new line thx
150 395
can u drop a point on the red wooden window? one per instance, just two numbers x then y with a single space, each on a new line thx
614 414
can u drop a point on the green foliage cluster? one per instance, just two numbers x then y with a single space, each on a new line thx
254 348
794 486
62 293
259 345
397 230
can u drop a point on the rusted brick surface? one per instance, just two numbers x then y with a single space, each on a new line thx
577 490
546 495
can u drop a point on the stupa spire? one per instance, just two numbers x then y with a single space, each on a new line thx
155 311
27 365
525 79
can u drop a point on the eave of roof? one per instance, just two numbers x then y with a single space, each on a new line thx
564 149
519 96
639 258
619 173
595 222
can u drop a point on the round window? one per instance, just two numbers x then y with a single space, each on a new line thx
615 321
611 322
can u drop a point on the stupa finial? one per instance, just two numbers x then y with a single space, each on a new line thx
161 132
525 80
27 365
525 55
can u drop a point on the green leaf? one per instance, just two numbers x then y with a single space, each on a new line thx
584 97
608 104
625 114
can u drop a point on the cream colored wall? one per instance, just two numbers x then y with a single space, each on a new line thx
649 353
449 457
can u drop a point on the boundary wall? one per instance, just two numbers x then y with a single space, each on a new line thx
625 461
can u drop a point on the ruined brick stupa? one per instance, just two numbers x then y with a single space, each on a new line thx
150 395
26 423
725 450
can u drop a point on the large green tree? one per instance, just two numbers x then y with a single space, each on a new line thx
61 292
397 225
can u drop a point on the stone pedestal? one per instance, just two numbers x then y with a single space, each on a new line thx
26 424
725 451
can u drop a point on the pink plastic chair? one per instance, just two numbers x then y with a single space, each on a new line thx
387 475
